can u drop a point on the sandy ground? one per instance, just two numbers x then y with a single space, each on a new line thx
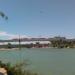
4 49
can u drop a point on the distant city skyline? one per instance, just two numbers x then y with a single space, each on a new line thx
37 18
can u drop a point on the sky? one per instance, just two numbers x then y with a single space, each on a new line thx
37 18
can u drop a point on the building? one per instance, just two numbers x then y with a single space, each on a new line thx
27 42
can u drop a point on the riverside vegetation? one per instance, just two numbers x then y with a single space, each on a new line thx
16 69
63 43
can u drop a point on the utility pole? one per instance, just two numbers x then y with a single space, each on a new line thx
20 55
19 43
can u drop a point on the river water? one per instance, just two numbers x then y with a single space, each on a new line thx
45 61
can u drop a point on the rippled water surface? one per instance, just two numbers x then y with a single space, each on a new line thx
46 61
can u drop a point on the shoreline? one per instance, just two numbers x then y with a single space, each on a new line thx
10 49
7 49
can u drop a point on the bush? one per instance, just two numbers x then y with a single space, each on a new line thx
15 69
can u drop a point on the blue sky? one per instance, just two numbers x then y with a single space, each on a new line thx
38 18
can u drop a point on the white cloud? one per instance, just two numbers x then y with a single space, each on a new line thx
3 33
11 36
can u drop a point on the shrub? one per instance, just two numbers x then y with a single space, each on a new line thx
15 69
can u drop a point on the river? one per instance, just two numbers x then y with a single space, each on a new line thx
45 61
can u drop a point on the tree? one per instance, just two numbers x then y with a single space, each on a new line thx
3 15
9 45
